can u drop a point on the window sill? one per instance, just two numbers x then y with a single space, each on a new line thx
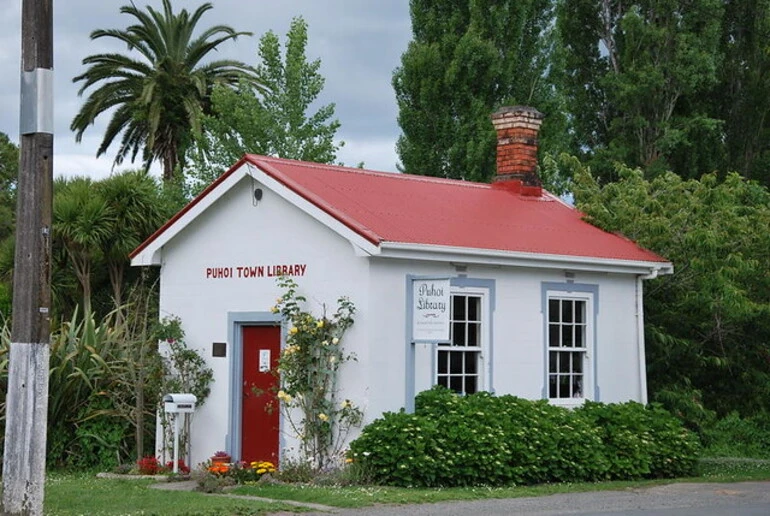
567 402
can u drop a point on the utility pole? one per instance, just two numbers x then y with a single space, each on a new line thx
27 399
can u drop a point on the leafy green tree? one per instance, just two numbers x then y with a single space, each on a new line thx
466 59
741 98
708 324
9 172
638 78
276 122
157 99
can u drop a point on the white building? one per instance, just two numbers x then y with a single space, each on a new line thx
538 303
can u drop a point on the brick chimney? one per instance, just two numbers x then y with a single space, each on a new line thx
517 130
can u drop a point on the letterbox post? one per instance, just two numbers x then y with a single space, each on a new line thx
178 404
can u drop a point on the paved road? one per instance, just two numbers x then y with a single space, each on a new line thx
740 499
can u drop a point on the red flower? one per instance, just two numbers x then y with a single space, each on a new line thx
181 466
148 465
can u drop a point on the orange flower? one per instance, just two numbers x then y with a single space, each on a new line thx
219 469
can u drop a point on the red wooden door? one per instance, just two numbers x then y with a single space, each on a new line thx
260 410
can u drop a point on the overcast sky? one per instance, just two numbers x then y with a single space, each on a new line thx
359 42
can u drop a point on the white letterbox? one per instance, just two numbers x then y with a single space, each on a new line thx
176 403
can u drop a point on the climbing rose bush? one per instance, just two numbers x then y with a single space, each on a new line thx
309 367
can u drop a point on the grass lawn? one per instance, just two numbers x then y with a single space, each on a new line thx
87 495
69 494
712 470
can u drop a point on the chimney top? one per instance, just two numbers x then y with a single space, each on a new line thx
517 132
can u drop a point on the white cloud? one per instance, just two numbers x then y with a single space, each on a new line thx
359 43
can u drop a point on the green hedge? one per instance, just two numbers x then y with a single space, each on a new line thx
487 440
736 436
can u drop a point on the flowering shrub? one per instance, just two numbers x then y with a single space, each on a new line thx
482 439
309 367
219 468
148 465
181 466
242 472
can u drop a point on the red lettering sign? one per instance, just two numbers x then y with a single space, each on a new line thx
256 271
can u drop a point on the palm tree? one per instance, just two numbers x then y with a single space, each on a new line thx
134 201
82 220
159 98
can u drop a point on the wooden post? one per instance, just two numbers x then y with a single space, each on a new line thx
27 399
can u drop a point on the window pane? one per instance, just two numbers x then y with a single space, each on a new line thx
580 311
566 336
577 362
470 384
474 308
553 362
552 386
473 334
443 381
471 363
458 334
564 385
553 310
577 386
566 311
458 308
456 383
580 336
456 362
443 362
553 335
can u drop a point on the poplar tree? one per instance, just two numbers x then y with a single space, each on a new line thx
466 59
277 121
742 98
638 81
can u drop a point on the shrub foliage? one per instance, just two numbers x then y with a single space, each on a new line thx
482 439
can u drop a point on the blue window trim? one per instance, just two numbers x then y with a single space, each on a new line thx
569 288
235 323
460 282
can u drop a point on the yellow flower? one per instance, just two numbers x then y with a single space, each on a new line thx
261 471
274 309
278 300
284 396
345 404
335 340
293 330
348 460
325 343
323 417
320 323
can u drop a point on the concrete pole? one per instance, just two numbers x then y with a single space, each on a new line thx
27 398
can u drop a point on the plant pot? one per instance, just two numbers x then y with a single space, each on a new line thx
221 459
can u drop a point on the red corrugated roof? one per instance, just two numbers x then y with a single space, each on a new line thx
403 208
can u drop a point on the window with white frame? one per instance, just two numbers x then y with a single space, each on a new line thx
459 366
569 346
